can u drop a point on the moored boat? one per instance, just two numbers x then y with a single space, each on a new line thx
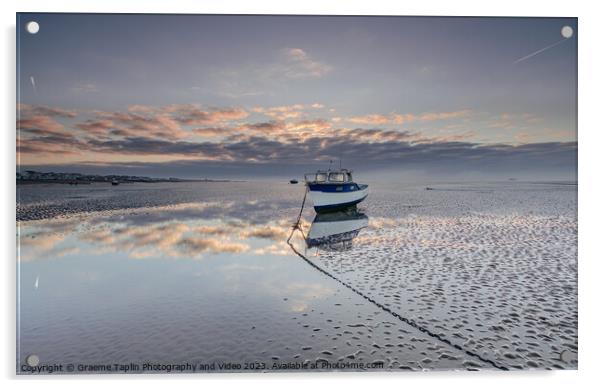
334 190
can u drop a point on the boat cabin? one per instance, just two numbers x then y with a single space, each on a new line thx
330 176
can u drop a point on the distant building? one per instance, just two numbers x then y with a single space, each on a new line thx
30 175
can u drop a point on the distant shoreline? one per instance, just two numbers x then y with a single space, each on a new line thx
71 178
78 182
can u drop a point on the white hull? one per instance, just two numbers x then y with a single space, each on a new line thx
326 200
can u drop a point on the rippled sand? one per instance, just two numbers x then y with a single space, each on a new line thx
498 278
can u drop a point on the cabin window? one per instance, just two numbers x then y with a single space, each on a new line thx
336 177
349 178
321 177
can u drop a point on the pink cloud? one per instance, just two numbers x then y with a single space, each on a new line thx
212 131
372 119
159 125
96 127
281 112
435 116
316 125
396 118
42 110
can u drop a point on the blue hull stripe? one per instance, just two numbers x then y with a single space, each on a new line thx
336 187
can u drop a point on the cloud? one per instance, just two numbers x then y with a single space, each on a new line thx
299 64
174 238
432 116
42 242
170 122
275 159
284 112
513 121
315 126
277 249
281 112
96 127
193 115
169 239
141 109
454 137
210 136
37 125
270 232
50 145
177 231
43 110
43 135
212 131
378 135
159 125
396 118
197 245
268 128
47 240
523 137
151 146
373 119
291 129
41 125
368 147
38 132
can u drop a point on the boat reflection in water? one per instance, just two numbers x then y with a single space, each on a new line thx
335 231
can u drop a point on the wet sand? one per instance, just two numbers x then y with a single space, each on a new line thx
202 274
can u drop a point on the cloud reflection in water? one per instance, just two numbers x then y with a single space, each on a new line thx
186 231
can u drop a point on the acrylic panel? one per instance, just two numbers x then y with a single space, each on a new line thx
280 193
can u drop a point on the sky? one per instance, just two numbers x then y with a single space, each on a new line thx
195 96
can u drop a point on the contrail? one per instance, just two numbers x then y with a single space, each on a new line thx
539 51
33 84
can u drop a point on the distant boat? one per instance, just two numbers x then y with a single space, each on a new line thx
334 190
114 182
294 181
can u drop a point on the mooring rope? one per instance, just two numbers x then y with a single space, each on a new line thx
408 321
296 224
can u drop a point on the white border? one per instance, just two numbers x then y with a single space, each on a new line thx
590 192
